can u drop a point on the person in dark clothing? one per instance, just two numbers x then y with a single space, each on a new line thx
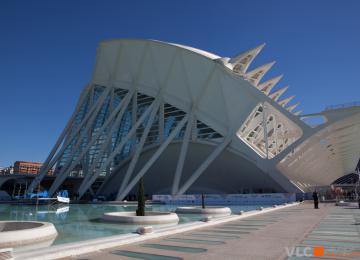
77 196
316 200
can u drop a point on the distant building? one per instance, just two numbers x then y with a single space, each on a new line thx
21 167
6 170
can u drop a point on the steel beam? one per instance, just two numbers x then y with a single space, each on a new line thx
122 106
205 164
116 151
124 103
44 168
153 159
183 153
61 176
139 148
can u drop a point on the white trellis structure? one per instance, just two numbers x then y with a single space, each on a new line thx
148 95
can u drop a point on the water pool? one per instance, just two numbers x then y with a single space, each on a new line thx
77 222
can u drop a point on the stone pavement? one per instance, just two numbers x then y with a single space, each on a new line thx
337 236
264 236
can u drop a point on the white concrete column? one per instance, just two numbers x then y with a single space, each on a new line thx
183 153
205 164
153 159
118 149
45 168
122 106
139 148
66 169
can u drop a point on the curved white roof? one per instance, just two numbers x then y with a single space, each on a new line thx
192 49
248 122
202 52
223 100
238 64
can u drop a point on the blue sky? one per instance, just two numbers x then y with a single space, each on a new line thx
47 52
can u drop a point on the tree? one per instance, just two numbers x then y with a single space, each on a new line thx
141 199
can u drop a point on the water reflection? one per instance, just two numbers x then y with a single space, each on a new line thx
78 222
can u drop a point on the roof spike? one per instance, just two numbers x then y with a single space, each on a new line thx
292 107
276 95
242 61
297 112
285 101
257 74
267 86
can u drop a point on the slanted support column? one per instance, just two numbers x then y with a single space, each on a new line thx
88 115
139 148
66 169
265 131
161 122
183 153
134 125
133 90
74 135
194 129
205 165
276 130
153 159
123 106
134 118
118 149
160 102
45 168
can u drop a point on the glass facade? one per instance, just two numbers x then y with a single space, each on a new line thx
109 137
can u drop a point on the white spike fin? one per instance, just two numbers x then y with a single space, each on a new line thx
276 95
292 107
257 74
285 101
267 86
297 112
242 61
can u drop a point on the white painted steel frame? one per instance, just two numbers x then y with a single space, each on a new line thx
148 68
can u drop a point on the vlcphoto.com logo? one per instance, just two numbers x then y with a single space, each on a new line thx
320 251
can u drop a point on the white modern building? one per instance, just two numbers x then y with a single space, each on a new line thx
190 121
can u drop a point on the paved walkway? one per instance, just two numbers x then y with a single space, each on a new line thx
265 236
337 236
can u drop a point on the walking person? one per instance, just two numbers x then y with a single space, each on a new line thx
316 200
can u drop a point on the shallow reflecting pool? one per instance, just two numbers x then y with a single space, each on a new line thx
77 222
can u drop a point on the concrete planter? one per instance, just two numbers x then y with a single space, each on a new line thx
223 211
150 218
26 234
348 204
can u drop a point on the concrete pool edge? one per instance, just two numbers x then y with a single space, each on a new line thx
226 211
93 245
26 234
150 218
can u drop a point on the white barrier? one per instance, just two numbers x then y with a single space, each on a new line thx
150 218
228 199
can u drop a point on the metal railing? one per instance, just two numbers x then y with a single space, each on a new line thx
345 105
